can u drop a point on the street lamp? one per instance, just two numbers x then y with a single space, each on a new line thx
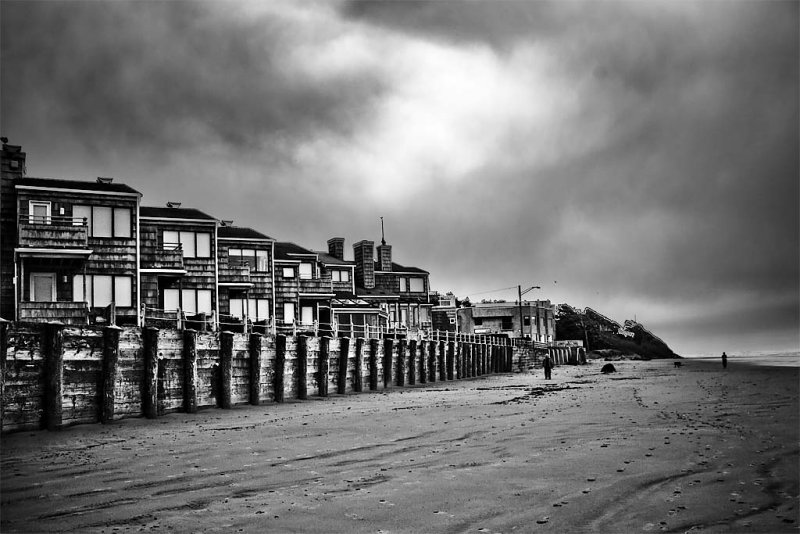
521 320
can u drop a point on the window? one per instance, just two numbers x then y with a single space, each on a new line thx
288 272
103 221
527 320
191 301
258 260
340 275
417 285
507 323
258 309
288 312
43 287
39 212
478 321
305 271
101 290
194 244
403 285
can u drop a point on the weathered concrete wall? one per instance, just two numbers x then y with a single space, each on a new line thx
55 375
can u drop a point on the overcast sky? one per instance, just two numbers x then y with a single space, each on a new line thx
640 158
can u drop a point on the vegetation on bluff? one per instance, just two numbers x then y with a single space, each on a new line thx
608 336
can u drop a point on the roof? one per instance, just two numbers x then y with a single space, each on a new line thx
327 259
240 232
174 213
397 268
283 249
75 184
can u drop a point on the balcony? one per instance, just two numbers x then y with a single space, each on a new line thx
315 285
236 271
65 312
167 257
53 232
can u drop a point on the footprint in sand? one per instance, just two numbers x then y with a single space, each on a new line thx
543 520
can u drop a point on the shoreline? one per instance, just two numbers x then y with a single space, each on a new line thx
649 448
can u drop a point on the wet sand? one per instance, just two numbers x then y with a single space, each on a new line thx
650 448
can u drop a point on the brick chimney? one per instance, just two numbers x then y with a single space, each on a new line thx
385 256
336 247
13 161
363 253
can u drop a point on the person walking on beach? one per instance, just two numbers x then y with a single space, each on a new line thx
548 367
724 360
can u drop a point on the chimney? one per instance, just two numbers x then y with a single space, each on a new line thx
336 247
363 252
13 161
385 257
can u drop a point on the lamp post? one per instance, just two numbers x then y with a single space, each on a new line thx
521 319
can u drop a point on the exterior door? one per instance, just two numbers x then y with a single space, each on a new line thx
307 315
43 287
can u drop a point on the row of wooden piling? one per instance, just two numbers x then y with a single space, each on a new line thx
425 360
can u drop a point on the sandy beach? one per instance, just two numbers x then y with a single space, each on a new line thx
650 448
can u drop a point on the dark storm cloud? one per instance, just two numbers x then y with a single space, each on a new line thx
168 75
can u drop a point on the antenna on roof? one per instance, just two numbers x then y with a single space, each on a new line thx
383 239
173 204
104 179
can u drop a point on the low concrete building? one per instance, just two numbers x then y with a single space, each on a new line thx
533 320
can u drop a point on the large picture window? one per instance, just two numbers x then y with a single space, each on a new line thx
257 309
258 260
306 271
104 221
191 301
193 244
100 290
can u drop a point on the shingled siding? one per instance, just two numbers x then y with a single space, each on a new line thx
55 375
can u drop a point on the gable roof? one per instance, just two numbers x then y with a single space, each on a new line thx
174 213
397 268
80 185
327 259
284 250
240 232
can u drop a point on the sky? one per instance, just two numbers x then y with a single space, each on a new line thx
639 158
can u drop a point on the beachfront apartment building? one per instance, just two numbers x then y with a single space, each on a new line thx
69 248
401 292
82 252
246 278
179 271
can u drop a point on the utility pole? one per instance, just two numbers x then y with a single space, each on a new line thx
521 318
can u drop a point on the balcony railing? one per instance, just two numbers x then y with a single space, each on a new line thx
235 270
166 256
52 231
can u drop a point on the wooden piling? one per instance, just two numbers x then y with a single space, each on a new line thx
432 361
53 348
150 349
451 347
190 371
344 352
412 362
401 363
254 352
441 361
358 377
279 366
323 365
302 367
423 371
110 365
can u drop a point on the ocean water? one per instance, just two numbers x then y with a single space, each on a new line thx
771 358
